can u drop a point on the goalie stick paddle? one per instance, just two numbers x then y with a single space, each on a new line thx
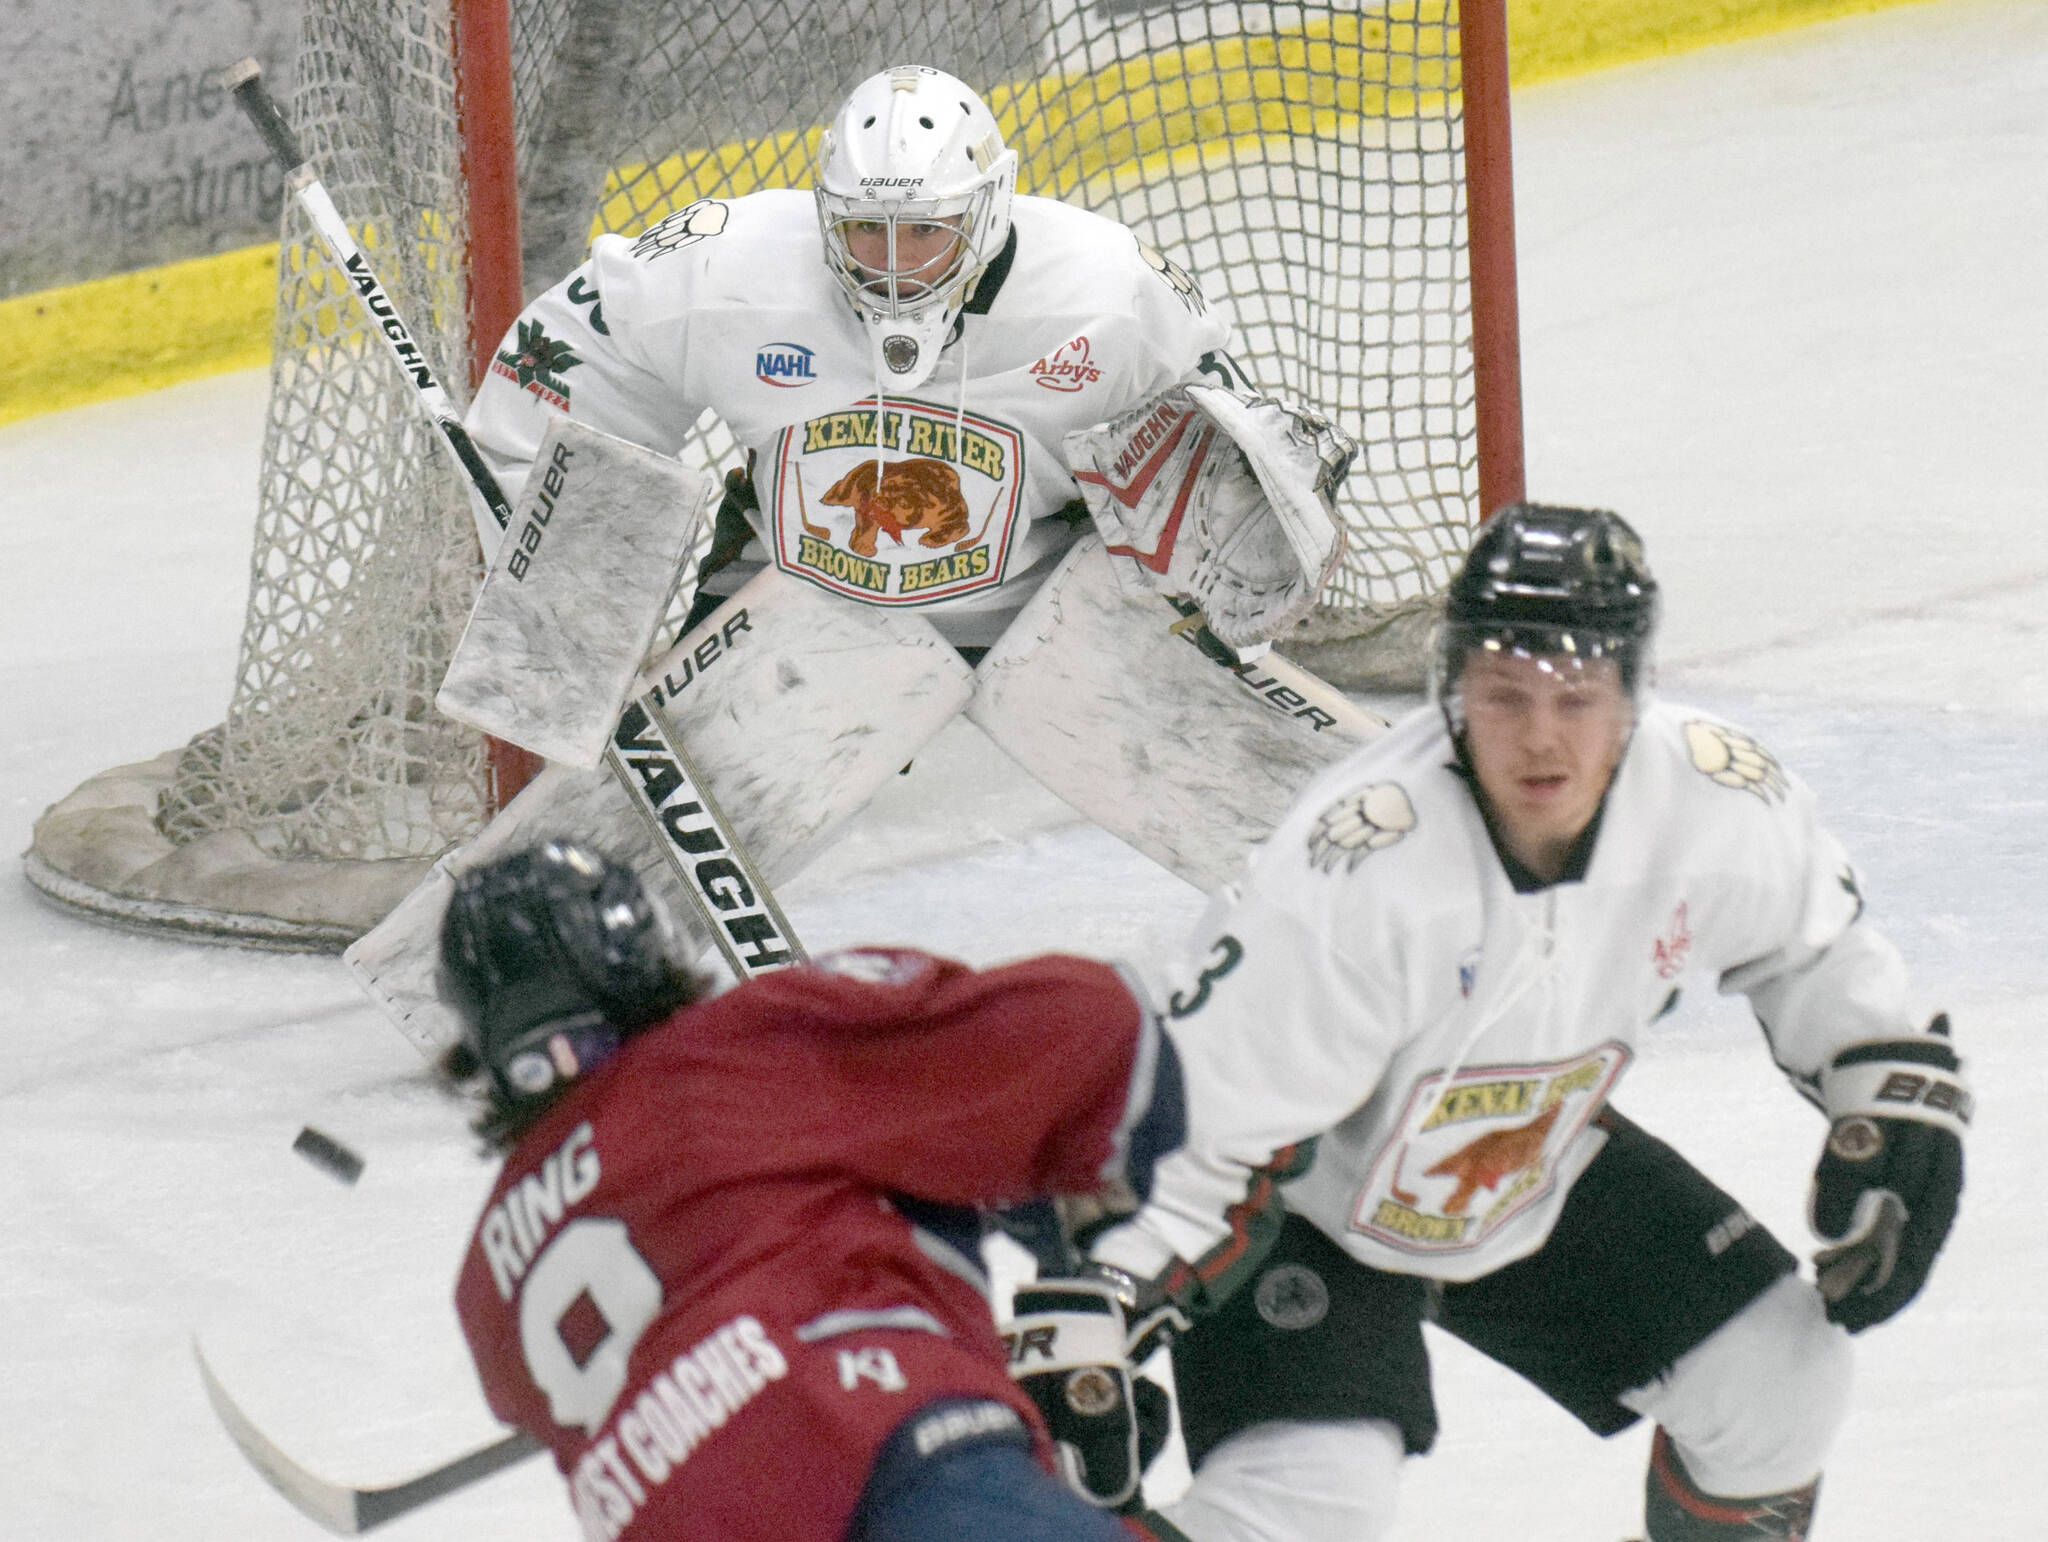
341 1509
728 891
730 898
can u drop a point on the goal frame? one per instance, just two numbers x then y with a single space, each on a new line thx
114 848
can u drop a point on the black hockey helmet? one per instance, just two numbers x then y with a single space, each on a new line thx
1550 582
554 956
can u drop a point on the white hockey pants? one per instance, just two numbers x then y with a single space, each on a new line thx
1752 1410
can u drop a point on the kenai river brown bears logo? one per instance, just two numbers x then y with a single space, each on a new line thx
918 507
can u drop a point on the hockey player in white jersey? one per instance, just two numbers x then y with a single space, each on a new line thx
1413 1012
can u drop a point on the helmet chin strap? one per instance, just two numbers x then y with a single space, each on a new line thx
924 363
905 349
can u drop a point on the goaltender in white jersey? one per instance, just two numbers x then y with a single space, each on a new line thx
1412 1016
997 464
948 498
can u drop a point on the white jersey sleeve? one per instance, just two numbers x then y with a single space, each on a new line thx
1189 339
1818 975
566 355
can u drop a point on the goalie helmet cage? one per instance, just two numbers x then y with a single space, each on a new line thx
1335 175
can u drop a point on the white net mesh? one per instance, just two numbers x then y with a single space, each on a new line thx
1304 161
364 555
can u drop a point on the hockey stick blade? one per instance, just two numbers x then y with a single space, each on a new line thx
341 1509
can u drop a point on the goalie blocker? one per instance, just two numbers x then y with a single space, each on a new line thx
575 592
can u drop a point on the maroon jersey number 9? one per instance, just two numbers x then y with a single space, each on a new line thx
584 1305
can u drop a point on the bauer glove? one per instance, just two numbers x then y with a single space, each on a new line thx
1885 1192
1073 1349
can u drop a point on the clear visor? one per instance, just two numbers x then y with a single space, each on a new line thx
895 259
1497 669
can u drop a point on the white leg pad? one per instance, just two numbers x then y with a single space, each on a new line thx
1288 1481
796 706
1102 693
1754 1409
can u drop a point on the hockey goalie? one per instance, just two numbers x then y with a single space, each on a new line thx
997 461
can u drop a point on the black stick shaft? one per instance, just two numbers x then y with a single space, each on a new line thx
245 80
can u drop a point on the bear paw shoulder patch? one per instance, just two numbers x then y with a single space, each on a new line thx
1359 824
1728 757
686 227
1178 278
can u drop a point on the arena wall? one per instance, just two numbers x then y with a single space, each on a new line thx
138 213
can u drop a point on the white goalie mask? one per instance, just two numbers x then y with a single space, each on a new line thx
914 188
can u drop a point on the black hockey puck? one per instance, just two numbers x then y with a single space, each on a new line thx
328 1154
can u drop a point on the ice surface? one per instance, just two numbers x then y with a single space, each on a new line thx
1782 306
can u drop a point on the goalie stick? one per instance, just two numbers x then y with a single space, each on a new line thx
725 888
342 1509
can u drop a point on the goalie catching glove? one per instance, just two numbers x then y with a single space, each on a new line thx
1073 1347
1222 496
1885 1191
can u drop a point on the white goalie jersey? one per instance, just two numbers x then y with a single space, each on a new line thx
1379 982
939 499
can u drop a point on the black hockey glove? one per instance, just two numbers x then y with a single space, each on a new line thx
1074 1344
1885 1192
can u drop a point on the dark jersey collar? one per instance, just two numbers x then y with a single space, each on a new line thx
1576 861
992 277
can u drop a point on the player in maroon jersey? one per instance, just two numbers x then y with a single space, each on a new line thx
729 1272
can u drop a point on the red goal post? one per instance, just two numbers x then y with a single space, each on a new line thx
1336 173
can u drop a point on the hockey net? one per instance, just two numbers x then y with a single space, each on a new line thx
1307 162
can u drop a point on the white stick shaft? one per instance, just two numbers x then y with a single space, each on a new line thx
340 1508
311 195
307 190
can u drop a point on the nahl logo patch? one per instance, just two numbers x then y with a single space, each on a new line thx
1728 757
1359 824
784 364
